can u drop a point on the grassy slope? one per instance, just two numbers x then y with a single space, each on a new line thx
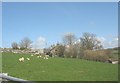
0 62
58 69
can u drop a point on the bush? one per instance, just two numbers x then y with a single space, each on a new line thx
99 55
59 51
22 48
71 52
67 53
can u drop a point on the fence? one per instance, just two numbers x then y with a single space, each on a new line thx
5 77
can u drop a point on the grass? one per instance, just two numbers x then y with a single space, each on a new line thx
58 69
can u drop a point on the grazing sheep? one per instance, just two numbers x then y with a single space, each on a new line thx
28 59
21 59
38 56
31 54
45 57
114 62
36 53
13 52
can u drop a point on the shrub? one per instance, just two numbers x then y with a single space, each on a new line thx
59 50
67 53
99 55
71 52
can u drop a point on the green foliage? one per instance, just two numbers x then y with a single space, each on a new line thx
59 50
22 48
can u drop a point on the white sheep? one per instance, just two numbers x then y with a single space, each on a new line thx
36 53
45 57
21 59
28 59
114 62
38 56
31 54
15 52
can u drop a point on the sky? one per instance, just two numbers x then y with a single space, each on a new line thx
60 0
46 23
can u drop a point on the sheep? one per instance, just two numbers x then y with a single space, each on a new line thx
38 56
28 59
114 62
14 52
21 59
31 54
45 57
36 53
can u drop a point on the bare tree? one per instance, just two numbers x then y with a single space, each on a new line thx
14 45
25 43
69 38
90 42
69 41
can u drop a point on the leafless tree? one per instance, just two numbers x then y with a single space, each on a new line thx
90 42
25 43
69 38
69 41
14 45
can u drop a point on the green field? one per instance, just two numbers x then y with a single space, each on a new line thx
57 69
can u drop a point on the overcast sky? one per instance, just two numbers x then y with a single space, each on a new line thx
45 23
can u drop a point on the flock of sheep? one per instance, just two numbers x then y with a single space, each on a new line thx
22 59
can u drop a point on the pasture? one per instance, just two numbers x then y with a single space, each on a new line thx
57 69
